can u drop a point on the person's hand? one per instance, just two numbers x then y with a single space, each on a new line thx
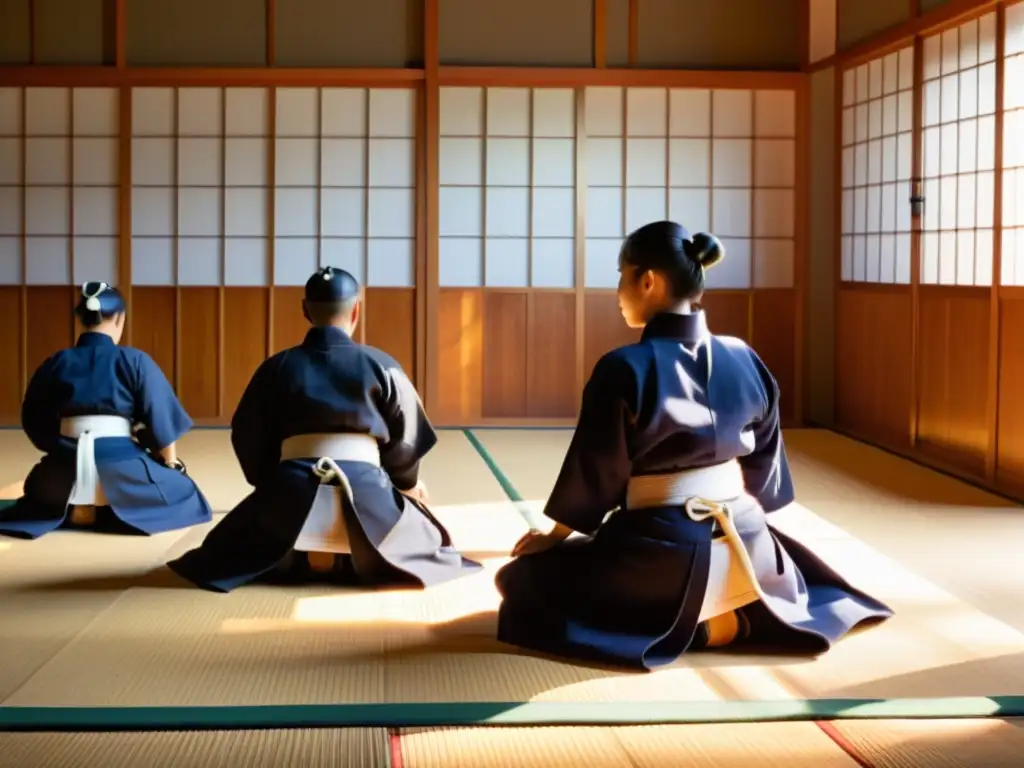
534 541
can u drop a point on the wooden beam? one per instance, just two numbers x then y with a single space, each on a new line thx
430 128
580 232
33 29
600 33
805 33
271 31
213 77
943 17
634 31
555 77
916 240
803 236
271 208
837 242
995 314
121 33
124 166
124 203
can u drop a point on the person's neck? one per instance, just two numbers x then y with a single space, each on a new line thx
675 308
103 331
345 328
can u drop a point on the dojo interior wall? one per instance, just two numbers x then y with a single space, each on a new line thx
475 164
929 312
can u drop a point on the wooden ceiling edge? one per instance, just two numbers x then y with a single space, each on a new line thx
570 77
948 15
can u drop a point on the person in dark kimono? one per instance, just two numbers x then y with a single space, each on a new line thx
330 434
679 438
107 421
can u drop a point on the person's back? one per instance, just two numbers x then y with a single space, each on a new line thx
330 434
107 420
679 437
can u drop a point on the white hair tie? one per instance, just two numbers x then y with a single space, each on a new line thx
327 273
92 301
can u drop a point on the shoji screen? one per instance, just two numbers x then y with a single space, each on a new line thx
1013 149
721 161
240 193
507 253
507 172
58 215
345 178
958 143
877 147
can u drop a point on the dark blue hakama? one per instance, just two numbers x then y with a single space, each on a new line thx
631 594
98 377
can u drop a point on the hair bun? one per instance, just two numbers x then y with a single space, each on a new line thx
705 249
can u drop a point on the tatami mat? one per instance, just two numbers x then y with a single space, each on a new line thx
794 745
936 743
71 586
878 744
347 748
110 631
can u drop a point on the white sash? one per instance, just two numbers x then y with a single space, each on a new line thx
325 529
705 493
86 430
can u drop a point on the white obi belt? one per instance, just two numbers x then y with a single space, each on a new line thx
325 530
86 430
705 493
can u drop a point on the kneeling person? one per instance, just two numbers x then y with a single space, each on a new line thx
107 420
330 435
679 436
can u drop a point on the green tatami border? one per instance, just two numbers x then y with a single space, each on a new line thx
496 714
438 714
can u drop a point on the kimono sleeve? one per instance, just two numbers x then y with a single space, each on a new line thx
597 466
410 433
157 407
766 469
254 433
39 419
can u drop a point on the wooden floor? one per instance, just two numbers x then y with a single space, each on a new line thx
94 621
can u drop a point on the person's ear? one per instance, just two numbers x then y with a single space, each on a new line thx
305 313
356 312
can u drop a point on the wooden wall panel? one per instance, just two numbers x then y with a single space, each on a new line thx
1010 448
505 327
152 318
390 324
10 355
774 340
290 325
552 391
603 329
768 37
459 352
50 322
874 363
199 326
953 374
245 336
728 313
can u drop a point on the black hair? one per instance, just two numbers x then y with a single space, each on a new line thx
666 247
98 302
331 292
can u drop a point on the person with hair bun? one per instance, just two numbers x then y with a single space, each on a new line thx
107 421
330 434
673 474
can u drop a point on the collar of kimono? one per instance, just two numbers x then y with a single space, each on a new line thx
94 339
326 336
691 327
